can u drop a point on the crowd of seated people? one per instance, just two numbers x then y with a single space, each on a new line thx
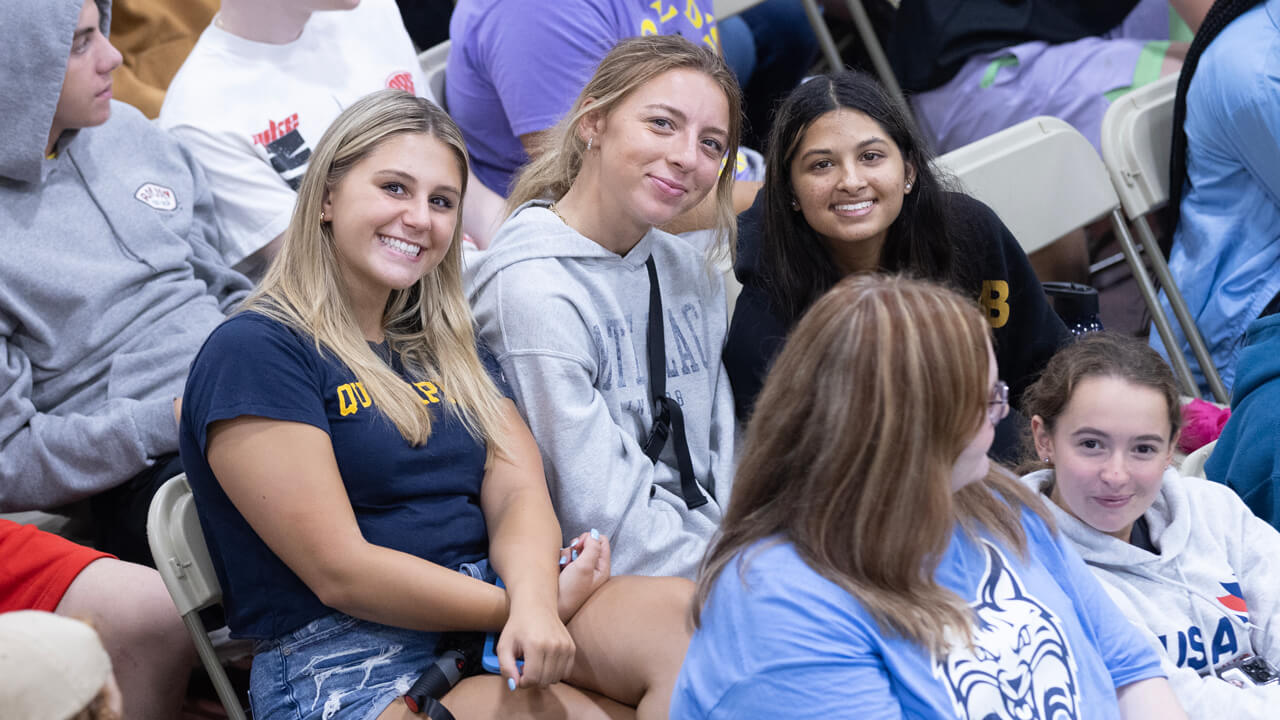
563 449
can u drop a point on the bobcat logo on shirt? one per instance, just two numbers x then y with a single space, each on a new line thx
1020 666
400 81
157 197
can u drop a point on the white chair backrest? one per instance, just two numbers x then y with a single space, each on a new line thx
178 546
1193 466
433 61
1136 134
1041 176
729 8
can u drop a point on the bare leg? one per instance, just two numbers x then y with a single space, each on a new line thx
631 636
150 650
486 696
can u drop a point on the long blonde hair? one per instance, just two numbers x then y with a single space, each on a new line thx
880 387
629 65
428 324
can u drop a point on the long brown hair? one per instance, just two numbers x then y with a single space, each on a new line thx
630 64
880 387
428 324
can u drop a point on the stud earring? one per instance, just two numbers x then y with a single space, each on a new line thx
908 187
589 141
1047 461
794 204
321 216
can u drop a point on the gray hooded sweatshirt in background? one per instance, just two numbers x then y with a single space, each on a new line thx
1210 595
108 279
567 320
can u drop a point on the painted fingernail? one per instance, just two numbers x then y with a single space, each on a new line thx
511 684
595 534
564 560
575 555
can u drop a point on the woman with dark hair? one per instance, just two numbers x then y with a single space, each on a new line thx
1224 178
850 187
873 563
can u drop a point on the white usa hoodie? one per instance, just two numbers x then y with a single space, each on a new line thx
1210 595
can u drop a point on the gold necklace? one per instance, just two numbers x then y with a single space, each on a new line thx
552 207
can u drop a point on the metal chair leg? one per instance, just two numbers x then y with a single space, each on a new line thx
825 41
874 49
1180 311
1181 370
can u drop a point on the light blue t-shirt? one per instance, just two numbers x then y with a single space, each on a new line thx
790 643
516 66
1226 248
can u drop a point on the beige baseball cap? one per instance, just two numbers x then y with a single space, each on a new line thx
51 667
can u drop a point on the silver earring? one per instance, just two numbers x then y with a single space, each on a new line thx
589 141
795 205
1047 461
908 187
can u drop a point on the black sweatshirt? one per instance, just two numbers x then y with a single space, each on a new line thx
1027 331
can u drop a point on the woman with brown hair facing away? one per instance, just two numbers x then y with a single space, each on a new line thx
879 562
362 478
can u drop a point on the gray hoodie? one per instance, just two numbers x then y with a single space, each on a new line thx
108 281
567 319
1211 594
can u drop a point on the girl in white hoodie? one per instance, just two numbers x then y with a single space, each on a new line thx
1183 557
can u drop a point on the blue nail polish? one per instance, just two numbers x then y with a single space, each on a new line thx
595 534
511 684
575 555
564 560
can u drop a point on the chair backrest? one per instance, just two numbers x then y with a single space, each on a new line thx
177 544
1193 465
1136 134
1041 176
433 61
729 8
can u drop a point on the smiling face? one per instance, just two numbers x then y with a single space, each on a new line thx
659 149
85 100
1109 448
393 216
849 179
973 463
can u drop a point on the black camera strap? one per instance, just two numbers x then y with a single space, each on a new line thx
668 419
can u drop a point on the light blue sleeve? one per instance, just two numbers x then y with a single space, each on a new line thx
787 643
1251 117
1124 648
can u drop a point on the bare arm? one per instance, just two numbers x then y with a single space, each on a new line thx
483 210
1150 698
283 478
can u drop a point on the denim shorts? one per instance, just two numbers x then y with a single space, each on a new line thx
341 668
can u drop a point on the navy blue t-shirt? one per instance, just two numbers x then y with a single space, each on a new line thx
424 500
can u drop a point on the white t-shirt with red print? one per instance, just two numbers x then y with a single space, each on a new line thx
253 112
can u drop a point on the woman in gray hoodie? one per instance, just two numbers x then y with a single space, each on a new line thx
1183 557
634 417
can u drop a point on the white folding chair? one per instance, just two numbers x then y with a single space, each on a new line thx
178 547
1193 465
1044 179
433 61
729 8
1136 135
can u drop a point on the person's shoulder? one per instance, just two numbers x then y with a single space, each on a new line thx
1235 68
250 332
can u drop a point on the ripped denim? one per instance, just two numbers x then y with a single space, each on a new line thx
341 668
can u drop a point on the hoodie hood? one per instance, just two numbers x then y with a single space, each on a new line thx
533 232
1259 363
36 35
1168 519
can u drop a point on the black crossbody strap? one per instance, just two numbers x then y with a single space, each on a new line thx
668 417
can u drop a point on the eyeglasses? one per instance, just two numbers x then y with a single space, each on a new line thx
998 402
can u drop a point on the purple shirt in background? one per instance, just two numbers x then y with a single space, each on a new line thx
516 66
